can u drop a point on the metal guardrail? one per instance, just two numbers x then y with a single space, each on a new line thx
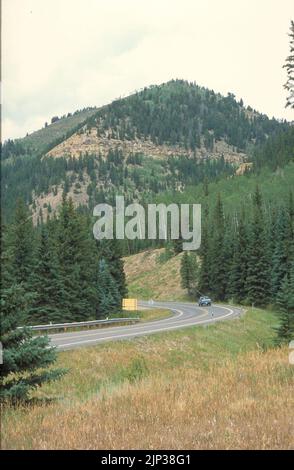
56 326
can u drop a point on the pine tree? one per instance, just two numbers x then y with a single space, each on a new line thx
194 273
109 299
177 245
285 302
25 357
77 257
291 210
282 254
46 284
227 255
189 273
185 271
205 187
217 262
289 66
110 250
6 258
22 243
258 272
204 271
238 271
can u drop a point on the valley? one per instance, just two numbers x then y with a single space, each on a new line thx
206 379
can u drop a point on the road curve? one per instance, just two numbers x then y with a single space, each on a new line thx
182 315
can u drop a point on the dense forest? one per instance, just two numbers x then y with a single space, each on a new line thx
135 176
52 273
246 258
276 152
59 264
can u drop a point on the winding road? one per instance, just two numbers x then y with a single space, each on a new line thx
182 315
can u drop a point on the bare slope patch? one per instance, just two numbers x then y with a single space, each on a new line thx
149 277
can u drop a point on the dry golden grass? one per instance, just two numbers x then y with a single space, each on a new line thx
247 404
148 278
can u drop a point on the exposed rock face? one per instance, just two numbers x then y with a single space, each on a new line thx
243 168
53 199
82 143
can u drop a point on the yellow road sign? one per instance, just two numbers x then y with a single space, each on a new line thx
130 304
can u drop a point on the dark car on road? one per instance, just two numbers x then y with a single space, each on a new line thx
204 301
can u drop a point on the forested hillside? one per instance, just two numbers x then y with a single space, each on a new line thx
161 138
246 256
65 275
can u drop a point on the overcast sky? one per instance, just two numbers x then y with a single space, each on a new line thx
63 55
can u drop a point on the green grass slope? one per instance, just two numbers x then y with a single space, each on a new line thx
41 140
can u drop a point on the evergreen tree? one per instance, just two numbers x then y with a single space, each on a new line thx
258 272
194 274
47 285
291 211
289 65
109 298
228 252
189 272
281 260
6 258
205 187
177 245
204 271
238 271
110 250
25 357
185 271
218 262
285 302
22 244
77 256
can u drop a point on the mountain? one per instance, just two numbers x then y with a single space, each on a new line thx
162 138
176 118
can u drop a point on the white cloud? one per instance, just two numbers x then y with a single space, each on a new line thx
62 55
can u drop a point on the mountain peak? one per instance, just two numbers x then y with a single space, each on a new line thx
175 118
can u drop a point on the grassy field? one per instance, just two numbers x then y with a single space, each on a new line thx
40 139
220 386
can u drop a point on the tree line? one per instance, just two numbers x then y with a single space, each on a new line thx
246 258
134 175
59 264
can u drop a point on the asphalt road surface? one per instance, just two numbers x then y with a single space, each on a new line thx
182 315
